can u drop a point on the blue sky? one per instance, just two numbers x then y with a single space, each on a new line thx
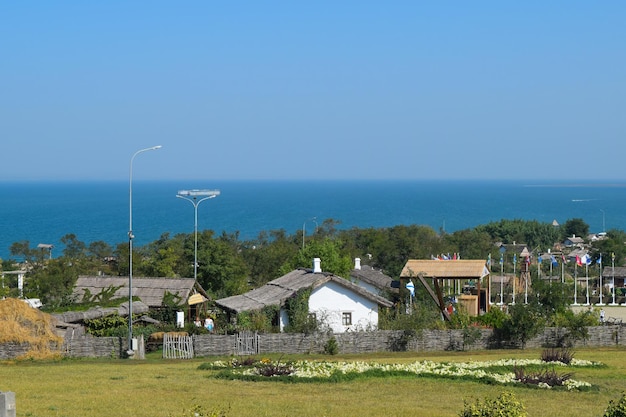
313 90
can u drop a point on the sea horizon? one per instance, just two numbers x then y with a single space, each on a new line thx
98 210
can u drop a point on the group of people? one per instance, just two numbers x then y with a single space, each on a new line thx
208 323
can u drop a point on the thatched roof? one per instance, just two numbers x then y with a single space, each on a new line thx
373 277
620 271
149 290
459 269
276 292
99 312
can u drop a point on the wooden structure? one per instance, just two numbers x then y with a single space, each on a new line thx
475 298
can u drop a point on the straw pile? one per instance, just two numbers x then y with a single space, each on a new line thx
24 325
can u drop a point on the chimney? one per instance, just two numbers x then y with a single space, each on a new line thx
357 263
316 265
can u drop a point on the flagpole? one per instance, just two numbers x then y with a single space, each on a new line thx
576 284
514 279
587 280
613 279
501 280
490 271
601 286
526 276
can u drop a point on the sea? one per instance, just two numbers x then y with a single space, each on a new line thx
44 212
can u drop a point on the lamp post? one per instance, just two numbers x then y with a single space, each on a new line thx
304 229
130 248
192 197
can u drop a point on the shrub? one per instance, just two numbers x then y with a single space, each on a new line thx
562 355
544 377
331 347
616 408
504 405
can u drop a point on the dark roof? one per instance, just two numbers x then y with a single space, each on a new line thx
276 292
99 312
372 276
149 290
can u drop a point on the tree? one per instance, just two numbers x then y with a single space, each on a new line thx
575 227
265 255
53 284
221 269
329 252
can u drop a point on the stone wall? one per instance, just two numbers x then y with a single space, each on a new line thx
352 342
95 347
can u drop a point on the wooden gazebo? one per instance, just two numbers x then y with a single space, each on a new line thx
475 300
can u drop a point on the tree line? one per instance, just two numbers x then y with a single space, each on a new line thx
228 265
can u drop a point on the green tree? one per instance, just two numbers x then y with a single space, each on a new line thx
575 227
330 254
265 255
530 232
613 244
221 269
524 322
53 284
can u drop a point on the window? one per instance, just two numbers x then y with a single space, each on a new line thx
346 319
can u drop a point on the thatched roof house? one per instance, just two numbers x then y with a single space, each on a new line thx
276 292
336 301
150 291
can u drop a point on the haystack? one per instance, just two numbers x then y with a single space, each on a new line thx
25 326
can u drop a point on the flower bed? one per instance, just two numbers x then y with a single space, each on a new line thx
493 372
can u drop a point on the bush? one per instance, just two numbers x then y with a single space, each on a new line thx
562 355
331 347
616 409
545 377
505 405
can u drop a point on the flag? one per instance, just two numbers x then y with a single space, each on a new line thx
599 260
539 259
527 260
586 260
564 258
411 288
553 260
579 261
514 259
489 260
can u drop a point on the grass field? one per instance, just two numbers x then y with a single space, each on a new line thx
156 387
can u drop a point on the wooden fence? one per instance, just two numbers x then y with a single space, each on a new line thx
177 347
247 343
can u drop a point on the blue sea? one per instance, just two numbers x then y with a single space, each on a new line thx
43 212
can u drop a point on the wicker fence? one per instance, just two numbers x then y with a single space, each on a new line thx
353 342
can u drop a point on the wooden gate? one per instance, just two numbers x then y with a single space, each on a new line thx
177 347
247 343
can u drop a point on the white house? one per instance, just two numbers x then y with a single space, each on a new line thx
373 280
336 302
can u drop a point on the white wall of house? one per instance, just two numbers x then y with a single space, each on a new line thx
331 301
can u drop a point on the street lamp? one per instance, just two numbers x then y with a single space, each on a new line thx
304 229
192 197
130 248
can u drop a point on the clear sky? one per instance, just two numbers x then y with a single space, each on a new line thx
313 89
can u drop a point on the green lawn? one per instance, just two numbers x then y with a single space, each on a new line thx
155 387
